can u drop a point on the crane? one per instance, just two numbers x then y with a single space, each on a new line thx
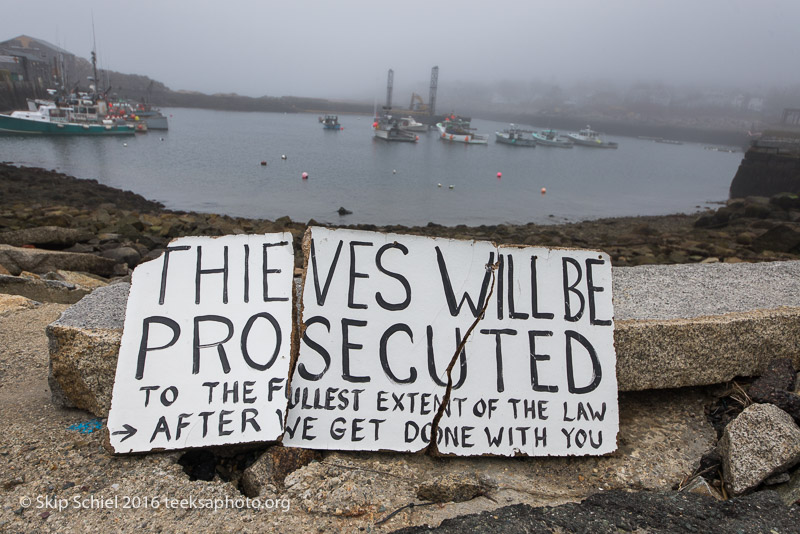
416 103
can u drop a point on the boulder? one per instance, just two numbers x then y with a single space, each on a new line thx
83 280
41 290
762 441
781 238
787 201
787 401
273 467
127 255
84 344
17 259
51 237
779 375
12 303
692 325
452 487
790 491
701 487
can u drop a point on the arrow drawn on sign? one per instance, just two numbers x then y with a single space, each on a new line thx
129 431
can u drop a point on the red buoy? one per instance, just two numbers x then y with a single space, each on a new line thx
305 176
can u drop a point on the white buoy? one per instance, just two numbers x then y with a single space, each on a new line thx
283 156
124 144
452 186
394 171
439 185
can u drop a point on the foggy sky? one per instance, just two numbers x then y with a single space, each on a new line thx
343 49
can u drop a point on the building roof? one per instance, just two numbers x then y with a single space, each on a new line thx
24 45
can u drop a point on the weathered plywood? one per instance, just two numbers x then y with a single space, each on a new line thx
383 316
206 347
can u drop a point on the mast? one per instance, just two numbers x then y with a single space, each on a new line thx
94 57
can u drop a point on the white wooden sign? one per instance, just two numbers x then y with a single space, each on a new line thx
383 315
206 346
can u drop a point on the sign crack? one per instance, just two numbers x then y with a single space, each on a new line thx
433 449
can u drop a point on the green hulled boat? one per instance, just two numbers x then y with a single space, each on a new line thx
50 119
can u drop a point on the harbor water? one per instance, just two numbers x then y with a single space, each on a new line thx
210 161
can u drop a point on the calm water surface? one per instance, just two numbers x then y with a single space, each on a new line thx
210 161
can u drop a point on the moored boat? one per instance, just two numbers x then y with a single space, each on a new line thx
388 128
459 131
50 119
410 124
589 137
551 138
515 137
331 122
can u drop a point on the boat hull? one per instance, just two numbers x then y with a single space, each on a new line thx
558 142
396 135
588 137
594 143
17 126
157 123
468 139
517 141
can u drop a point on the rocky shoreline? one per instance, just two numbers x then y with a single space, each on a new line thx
62 237
50 210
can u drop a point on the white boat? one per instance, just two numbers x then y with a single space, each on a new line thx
588 137
515 137
388 128
459 131
551 138
409 124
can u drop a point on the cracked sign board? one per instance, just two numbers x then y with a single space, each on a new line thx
527 333
206 345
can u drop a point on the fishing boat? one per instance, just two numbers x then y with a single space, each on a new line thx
50 119
388 128
551 138
141 113
410 124
589 137
459 131
331 122
515 137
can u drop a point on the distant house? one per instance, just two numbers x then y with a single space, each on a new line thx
34 60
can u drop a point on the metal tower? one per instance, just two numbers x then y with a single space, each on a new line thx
432 95
389 86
